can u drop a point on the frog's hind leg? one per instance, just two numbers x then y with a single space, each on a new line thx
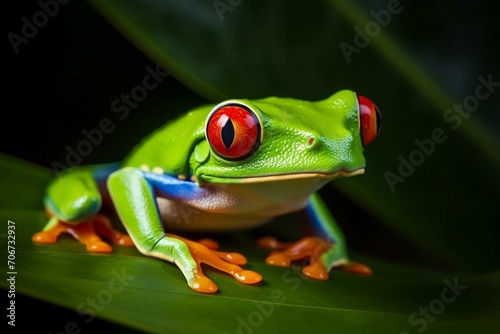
325 249
285 253
73 202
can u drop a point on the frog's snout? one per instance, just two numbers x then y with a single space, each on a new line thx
370 119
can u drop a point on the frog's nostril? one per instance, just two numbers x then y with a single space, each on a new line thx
310 141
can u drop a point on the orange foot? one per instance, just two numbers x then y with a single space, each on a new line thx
309 247
205 251
87 233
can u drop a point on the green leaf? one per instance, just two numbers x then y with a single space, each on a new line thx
431 174
445 212
151 295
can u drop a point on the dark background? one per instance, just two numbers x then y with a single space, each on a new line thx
64 80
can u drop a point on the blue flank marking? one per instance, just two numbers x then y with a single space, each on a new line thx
169 186
317 225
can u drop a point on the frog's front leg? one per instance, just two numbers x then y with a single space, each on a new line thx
325 250
73 202
133 192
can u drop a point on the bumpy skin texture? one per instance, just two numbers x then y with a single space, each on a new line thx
288 126
174 180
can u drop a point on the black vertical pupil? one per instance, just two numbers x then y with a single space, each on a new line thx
227 133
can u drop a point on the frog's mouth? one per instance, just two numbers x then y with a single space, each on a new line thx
283 177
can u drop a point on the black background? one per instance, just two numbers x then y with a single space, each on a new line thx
62 82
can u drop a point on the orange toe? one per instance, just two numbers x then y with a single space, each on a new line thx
316 270
247 276
125 241
278 259
44 238
234 258
357 268
99 247
203 284
272 243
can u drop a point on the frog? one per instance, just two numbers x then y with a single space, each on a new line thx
223 167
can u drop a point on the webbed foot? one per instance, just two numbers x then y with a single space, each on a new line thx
314 249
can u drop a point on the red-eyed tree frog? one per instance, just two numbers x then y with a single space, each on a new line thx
226 167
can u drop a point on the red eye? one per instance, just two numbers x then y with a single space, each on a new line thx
233 131
370 119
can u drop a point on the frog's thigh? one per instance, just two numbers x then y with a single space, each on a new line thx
74 197
73 201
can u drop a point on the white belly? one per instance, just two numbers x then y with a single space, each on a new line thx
229 207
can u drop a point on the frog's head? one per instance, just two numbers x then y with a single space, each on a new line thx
280 138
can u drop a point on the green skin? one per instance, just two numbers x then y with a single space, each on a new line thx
304 146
